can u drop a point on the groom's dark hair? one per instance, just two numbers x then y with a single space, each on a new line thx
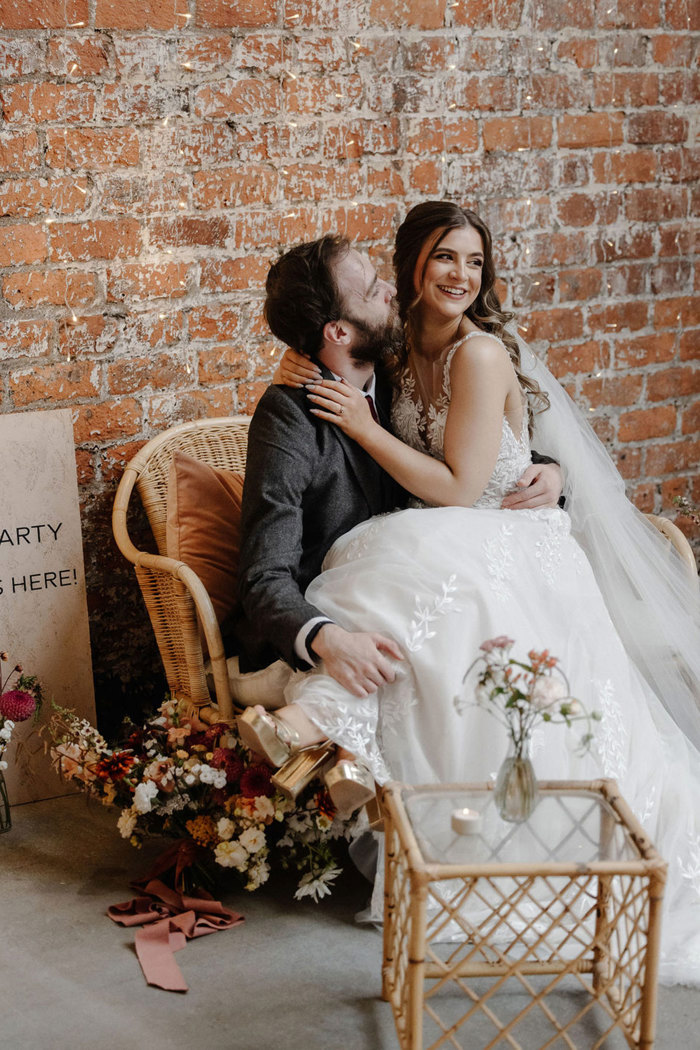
302 295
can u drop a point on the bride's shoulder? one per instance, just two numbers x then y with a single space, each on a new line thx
479 348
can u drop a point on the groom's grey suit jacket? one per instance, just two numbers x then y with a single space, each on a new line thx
306 484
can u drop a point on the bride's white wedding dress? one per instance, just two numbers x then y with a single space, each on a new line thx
443 580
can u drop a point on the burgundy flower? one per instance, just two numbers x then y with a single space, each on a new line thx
257 781
226 758
214 732
17 705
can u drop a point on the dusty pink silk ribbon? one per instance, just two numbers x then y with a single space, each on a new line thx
169 919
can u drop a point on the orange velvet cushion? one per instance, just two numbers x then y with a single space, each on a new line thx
203 525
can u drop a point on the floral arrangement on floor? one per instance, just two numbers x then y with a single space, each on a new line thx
197 783
687 509
16 704
519 694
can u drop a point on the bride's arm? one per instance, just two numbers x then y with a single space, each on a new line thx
480 377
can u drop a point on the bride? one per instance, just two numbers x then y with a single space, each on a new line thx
594 585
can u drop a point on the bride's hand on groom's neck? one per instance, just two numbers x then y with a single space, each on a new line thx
295 369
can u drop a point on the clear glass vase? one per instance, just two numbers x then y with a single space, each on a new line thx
5 818
515 791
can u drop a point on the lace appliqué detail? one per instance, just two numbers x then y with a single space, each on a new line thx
500 561
359 544
612 737
406 415
394 706
513 458
645 809
423 615
548 550
691 870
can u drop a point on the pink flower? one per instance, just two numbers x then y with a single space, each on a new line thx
160 771
502 642
17 705
70 763
546 691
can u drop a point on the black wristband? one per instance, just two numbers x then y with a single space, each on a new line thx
310 637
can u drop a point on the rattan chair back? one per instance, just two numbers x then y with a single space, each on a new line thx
178 605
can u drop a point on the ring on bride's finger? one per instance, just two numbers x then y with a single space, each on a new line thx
340 410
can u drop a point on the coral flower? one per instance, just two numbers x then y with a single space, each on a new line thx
114 767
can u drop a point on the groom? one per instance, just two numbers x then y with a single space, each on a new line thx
307 483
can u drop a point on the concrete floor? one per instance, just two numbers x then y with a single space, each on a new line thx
295 975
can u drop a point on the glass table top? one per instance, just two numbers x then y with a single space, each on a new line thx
572 827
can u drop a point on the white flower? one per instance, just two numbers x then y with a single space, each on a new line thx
253 839
299 823
258 873
264 807
143 796
6 731
546 691
207 775
127 822
225 829
3 765
482 693
231 855
316 886
190 779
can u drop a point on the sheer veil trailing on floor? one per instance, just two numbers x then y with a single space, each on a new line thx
650 595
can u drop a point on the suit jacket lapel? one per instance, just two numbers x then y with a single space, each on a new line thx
368 474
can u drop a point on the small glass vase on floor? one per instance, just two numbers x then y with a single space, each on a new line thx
5 817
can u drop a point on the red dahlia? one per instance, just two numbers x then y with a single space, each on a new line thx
17 705
256 781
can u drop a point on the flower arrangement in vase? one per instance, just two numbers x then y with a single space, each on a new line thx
16 705
197 783
519 695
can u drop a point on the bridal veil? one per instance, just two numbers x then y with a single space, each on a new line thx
652 599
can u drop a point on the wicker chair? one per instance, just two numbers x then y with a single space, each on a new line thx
175 597
176 600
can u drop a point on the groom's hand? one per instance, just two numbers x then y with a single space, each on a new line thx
358 660
540 486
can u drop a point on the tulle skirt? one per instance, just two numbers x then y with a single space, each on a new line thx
440 582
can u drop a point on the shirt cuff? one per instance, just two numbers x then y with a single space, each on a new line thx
306 635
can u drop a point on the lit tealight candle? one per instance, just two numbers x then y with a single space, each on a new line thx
466 821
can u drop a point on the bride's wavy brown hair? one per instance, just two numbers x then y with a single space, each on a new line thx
430 223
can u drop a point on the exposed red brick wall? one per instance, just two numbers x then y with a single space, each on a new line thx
156 154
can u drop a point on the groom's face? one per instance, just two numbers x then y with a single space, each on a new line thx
369 306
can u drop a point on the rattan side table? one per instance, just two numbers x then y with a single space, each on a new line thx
566 908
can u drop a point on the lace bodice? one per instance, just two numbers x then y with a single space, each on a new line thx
422 426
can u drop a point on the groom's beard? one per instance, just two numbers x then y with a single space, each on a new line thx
376 342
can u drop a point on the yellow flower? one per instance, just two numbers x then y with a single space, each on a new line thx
203 830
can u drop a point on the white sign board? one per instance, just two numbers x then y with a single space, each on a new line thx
43 608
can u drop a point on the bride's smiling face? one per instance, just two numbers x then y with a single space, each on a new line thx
451 273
